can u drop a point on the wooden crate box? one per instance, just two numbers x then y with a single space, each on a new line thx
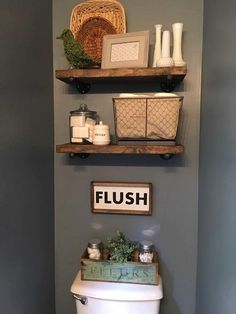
127 272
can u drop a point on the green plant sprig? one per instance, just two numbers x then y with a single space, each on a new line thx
120 249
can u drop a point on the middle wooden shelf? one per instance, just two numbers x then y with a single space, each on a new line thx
166 151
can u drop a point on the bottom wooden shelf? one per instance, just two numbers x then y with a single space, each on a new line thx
84 149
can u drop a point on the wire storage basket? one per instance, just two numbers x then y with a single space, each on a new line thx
147 118
93 19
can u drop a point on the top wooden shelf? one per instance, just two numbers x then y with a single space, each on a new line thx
169 76
65 75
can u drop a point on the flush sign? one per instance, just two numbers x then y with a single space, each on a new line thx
121 198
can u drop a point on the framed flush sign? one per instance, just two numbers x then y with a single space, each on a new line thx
128 50
121 198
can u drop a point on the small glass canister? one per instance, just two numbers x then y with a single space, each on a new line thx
94 248
146 252
82 122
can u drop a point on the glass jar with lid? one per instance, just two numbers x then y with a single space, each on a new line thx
82 122
94 248
146 249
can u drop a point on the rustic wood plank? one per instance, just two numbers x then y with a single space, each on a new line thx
120 73
118 149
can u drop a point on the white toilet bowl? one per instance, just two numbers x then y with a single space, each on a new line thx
96 297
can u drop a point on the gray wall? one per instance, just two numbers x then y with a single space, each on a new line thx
173 225
217 215
26 158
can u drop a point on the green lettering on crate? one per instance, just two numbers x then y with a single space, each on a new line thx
119 272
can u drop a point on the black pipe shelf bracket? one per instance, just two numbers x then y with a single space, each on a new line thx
80 155
86 155
82 87
166 156
168 83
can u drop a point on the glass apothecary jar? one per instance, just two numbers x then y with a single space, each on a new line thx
94 248
146 249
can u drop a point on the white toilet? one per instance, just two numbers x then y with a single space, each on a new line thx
96 297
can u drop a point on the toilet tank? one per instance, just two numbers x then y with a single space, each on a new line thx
96 297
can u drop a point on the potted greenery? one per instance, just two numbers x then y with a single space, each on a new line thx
120 248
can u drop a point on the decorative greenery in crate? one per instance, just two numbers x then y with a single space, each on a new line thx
120 248
120 264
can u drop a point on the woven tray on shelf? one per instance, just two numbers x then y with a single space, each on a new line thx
91 33
93 19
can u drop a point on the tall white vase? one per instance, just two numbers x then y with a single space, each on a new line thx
157 50
177 44
165 60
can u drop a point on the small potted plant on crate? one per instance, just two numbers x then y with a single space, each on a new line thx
120 249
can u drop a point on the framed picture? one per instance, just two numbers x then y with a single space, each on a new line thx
132 198
128 50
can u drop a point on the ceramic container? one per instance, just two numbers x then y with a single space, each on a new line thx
101 134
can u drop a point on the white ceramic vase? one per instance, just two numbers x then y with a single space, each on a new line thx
177 44
157 50
165 60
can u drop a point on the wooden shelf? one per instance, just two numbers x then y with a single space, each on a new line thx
83 150
66 75
169 77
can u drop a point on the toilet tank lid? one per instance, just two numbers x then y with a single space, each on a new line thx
116 291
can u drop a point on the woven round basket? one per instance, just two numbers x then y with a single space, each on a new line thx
93 19
91 33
